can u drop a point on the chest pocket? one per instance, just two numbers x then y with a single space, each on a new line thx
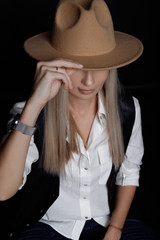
105 162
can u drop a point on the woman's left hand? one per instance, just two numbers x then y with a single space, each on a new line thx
112 234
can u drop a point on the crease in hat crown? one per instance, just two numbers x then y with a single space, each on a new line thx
83 28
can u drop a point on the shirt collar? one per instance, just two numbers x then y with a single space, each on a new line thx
101 113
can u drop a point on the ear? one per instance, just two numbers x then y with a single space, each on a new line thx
68 11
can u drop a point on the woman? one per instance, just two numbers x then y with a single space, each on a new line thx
76 136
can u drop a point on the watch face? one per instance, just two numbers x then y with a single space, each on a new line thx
15 121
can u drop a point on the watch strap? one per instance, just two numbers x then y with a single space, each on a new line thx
21 127
25 129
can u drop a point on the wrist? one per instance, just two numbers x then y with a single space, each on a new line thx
36 102
21 127
115 227
113 233
30 114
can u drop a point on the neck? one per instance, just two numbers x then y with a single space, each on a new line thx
82 107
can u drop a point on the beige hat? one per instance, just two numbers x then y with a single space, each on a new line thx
83 32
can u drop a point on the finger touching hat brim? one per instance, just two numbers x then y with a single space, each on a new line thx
128 49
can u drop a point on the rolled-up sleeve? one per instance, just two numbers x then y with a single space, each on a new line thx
32 155
128 173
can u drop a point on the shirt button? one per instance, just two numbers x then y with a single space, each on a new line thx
11 234
86 217
84 198
86 169
86 185
41 211
27 225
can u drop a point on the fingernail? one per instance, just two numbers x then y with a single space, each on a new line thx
80 65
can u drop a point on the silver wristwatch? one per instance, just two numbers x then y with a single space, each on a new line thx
21 127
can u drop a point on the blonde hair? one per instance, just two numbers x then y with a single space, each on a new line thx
59 124
112 89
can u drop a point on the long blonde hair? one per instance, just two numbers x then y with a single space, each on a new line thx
59 124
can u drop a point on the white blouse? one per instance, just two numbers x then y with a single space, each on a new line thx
83 192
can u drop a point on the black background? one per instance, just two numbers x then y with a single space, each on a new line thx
21 19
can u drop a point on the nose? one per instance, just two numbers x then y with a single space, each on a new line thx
88 79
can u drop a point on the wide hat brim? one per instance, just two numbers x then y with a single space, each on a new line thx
128 48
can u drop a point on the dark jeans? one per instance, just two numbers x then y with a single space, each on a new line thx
133 230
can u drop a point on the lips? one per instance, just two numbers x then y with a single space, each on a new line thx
86 91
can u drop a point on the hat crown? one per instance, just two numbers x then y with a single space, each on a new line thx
83 32
83 28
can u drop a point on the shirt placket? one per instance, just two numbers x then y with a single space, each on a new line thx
85 186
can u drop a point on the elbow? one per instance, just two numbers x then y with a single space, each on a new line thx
3 198
8 188
6 195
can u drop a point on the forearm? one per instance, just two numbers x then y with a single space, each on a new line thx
13 155
124 197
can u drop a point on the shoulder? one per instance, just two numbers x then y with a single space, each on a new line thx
17 108
137 122
136 104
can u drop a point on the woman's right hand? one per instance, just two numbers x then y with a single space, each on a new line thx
14 151
49 77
